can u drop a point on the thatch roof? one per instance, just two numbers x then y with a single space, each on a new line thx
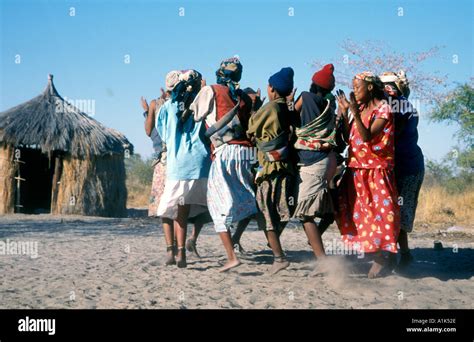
50 123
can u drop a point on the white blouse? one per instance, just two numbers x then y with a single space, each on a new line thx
204 106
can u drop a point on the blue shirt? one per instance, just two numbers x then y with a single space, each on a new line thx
408 155
188 155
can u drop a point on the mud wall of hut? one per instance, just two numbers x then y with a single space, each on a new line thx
8 169
92 187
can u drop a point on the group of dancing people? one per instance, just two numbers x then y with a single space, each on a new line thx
223 155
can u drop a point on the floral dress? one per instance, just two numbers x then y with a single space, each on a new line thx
368 216
157 185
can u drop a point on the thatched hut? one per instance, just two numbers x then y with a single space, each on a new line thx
56 159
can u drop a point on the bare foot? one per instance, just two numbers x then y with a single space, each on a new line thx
171 250
229 265
181 258
321 269
279 265
375 269
170 260
191 247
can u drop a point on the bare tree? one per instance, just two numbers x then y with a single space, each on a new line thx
378 57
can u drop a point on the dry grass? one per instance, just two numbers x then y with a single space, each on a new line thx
437 206
138 194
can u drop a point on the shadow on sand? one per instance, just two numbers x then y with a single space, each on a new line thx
447 264
443 264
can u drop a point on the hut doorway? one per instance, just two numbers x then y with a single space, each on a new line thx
34 192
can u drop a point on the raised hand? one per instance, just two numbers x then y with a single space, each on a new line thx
152 108
259 95
342 102
354 106
256 100
291 97
144 104
163 95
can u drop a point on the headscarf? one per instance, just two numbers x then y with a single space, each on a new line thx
399 80
229 74
187 88
282 81
172 79
189 81
370 77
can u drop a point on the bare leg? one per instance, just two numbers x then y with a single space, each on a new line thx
195 232
181 229
260 221
278 234
403 241
175 242
233 261
325 222
280 262
377 266
241 226
168 230
314 237
191 243
169 237
405 256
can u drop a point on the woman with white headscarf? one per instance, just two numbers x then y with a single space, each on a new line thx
188 161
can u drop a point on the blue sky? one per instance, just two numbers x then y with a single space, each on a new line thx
86 52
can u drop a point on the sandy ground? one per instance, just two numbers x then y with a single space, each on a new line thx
86 262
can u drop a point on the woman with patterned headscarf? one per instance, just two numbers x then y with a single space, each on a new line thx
368 216
409 160
225 109
187 164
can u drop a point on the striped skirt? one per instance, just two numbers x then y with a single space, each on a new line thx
230 188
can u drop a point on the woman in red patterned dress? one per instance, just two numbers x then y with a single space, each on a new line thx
368 216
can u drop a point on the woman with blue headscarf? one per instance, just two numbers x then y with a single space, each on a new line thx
271 128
